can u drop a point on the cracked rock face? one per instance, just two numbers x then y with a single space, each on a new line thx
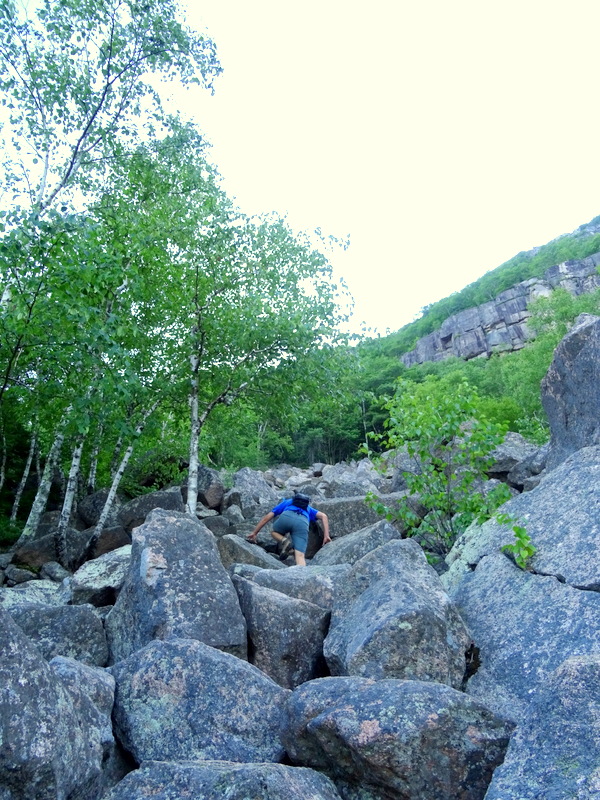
525 626
527 623
556 752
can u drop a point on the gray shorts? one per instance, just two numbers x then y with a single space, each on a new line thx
296 525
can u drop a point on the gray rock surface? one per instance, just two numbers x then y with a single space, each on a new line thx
234 549
134 512
562 518
525 626
351 548
54 738
315 584
348 514
571 391
210 487
176 586
37 552
53 571
555 753
393 619
500 325
90 508
512 451
252 493
183 700
99 581
72 631
222 780
94 689
44 592
15 575
394 739
285 635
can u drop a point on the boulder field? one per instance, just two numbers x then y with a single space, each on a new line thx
185 662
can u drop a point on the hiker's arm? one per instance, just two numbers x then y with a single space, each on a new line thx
325 521
259 525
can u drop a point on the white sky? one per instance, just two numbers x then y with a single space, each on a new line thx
443 137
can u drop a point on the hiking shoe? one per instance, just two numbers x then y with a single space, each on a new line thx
285 549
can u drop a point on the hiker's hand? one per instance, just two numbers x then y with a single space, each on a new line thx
326 539
251 537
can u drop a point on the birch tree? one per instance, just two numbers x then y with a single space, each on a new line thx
75 79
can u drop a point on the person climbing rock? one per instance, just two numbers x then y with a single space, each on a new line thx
290 529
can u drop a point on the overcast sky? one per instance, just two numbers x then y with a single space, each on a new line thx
442 137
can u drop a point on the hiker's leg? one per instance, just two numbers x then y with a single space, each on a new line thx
300 542
277 536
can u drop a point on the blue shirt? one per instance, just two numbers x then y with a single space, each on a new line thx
310 512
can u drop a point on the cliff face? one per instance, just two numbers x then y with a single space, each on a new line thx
501 324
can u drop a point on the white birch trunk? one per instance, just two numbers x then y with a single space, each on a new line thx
24 477
93 471
3 465
91 545
192 485
41 498
60 535
114 464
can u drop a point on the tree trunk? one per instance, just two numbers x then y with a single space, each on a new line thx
60 535
91 481
24 477
114 464
41 498
192 485
3 464
93 541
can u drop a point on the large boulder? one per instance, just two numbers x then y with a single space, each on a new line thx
285 634
561 516
176 586
210 487
99 581
234 549
42 592
348 514
92 693
72 631
40 550
351 548
513 449
555 753
54 737
525 626
91 507
314 584
394 739
571 391
348 480
183 700
393 619
134 512
223 780
252 493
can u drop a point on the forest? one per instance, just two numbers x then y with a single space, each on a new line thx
148 325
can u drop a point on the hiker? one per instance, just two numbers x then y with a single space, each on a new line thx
290 528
